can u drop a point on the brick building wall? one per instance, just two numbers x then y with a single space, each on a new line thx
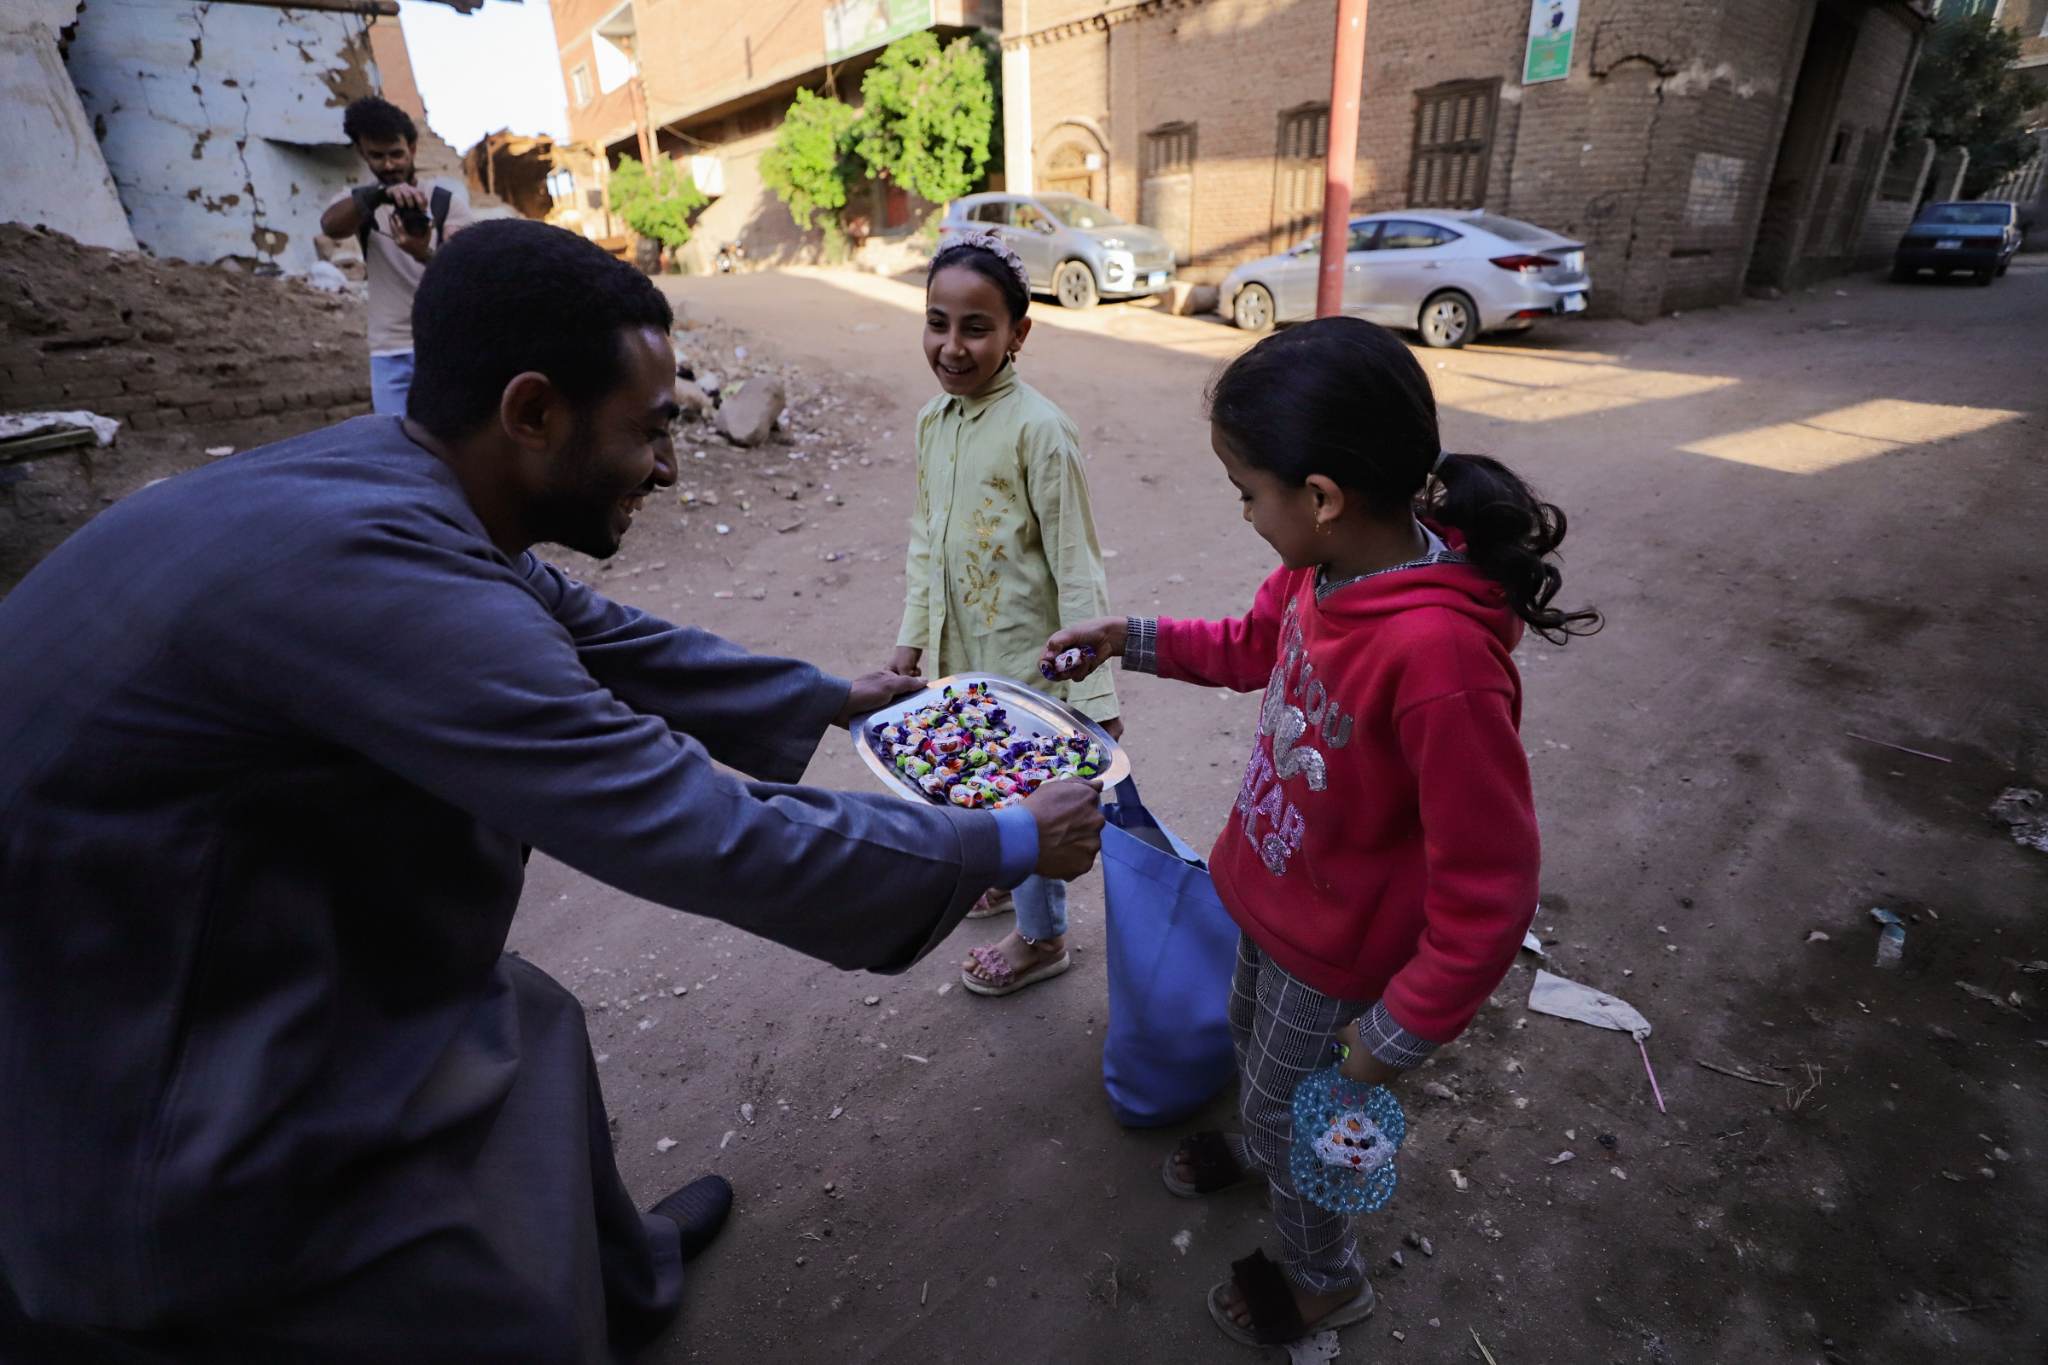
1832 158
1657 150
596 116
1906 177
716 76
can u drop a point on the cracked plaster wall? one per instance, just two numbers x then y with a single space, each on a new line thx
59 180
221 123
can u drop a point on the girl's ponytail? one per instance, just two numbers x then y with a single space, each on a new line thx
1509 534
1345 399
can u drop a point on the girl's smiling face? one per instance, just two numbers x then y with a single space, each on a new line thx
968 332
1284 516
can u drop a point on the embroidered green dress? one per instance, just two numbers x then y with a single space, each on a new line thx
1002 546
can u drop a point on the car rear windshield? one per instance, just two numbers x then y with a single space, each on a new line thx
1512 229
1077 212
1969 215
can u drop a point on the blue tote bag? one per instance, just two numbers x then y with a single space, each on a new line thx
1172 950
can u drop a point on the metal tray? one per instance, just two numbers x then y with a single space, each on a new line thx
1031 712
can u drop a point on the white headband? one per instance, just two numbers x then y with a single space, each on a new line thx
996 247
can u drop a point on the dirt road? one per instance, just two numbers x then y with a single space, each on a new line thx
1803 519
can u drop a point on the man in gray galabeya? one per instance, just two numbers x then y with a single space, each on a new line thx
278 736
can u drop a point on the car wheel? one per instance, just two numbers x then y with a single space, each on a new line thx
1447 320
1074 286
2005 265
1902 275
1985 277
1252 310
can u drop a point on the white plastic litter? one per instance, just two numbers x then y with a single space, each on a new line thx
1314 1350
1553 995
1891 937
2025 812
1533 944
14 424
1562 999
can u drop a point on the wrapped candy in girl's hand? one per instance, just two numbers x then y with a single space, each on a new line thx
1066 663
1077 651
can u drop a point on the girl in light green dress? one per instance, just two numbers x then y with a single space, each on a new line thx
1002 547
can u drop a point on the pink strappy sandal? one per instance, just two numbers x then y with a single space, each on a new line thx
1003 979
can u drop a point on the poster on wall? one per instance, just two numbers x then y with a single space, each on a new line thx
1552 26
853 26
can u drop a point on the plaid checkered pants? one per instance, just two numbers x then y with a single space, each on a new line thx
1283 1030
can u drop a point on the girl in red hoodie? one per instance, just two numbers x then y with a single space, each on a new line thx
1382 857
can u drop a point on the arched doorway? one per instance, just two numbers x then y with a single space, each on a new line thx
1075 164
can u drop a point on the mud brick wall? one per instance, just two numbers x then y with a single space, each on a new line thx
224 356
186 357
236 400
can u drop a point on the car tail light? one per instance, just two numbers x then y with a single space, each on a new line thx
1524 263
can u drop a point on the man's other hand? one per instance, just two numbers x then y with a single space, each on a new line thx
1069 816
871 691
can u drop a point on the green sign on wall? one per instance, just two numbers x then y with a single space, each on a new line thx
1552 26
853 26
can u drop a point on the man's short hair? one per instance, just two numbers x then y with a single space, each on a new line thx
510 295
378 120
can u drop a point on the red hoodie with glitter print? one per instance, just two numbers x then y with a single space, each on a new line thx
1384 843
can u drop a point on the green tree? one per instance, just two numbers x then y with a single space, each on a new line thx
656 202
1965 93
927 116
811 166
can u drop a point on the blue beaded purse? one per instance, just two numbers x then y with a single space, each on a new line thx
1345 1135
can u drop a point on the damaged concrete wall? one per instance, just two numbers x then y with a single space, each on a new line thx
221 123
58 180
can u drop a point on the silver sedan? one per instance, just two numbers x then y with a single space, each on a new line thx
1447 276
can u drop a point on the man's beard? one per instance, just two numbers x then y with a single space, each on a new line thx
582 509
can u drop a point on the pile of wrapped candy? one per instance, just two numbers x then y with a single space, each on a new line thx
963 749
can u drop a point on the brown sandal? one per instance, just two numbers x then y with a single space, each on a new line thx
1276 1320
1214 1164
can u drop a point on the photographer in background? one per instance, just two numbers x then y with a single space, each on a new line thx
399 225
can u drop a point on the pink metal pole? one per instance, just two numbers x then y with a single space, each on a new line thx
1347 77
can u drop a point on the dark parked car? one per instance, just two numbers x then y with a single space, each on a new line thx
1978 236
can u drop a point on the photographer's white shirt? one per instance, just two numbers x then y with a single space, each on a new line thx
393 274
